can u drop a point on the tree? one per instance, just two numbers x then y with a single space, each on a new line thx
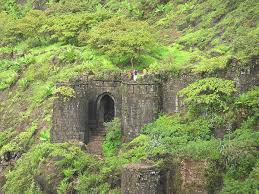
26 28
66 28
122 39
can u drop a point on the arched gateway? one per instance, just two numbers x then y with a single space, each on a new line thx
104 112
82 117
105 109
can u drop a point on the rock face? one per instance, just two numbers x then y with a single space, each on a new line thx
185 177
9 158
192 177
141 179
136 103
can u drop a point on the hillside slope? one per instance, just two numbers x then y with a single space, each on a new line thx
43 42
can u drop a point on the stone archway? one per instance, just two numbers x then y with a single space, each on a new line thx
105 109
105 112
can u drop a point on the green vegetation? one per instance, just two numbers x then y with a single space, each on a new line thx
64 39
112 140
233 159
19 143
210 94
66 92
122 39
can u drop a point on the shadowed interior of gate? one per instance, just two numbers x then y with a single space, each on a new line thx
102 111
105 110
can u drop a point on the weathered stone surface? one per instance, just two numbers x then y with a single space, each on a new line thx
136 103
141 179
185 177
193 176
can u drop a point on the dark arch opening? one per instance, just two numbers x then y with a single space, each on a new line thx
106 110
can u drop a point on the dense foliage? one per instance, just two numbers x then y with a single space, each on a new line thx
210 94
122 39
45 41
112 140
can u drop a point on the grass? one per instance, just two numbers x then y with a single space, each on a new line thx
172 58
205 36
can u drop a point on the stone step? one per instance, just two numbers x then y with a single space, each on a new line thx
95 147
96 138
98 134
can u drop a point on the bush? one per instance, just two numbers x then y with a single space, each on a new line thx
112 140
75 6
72 162
6 22
248 101
66 28
45 135
209 95
27 28
21 142
65 91
5 136
70 55
169 134
7 78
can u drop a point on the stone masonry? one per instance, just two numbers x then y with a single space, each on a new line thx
135 103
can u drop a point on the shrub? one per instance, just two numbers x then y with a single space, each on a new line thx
70 55
168 134
41 91
5 136
26 28
45 135
5 22
73 162
23 83
65 91
75 6
66 28
211 64
139 148
7 78
209 95
248 101
112 140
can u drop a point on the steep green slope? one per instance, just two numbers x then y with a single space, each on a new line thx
40 47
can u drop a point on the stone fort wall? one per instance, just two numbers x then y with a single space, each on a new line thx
136 103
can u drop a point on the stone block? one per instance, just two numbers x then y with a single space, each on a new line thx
141 179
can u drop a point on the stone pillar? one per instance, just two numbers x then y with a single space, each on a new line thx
141 179
193 180
70 116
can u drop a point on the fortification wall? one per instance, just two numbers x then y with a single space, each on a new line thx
69 121
141 104
243 77
135 103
